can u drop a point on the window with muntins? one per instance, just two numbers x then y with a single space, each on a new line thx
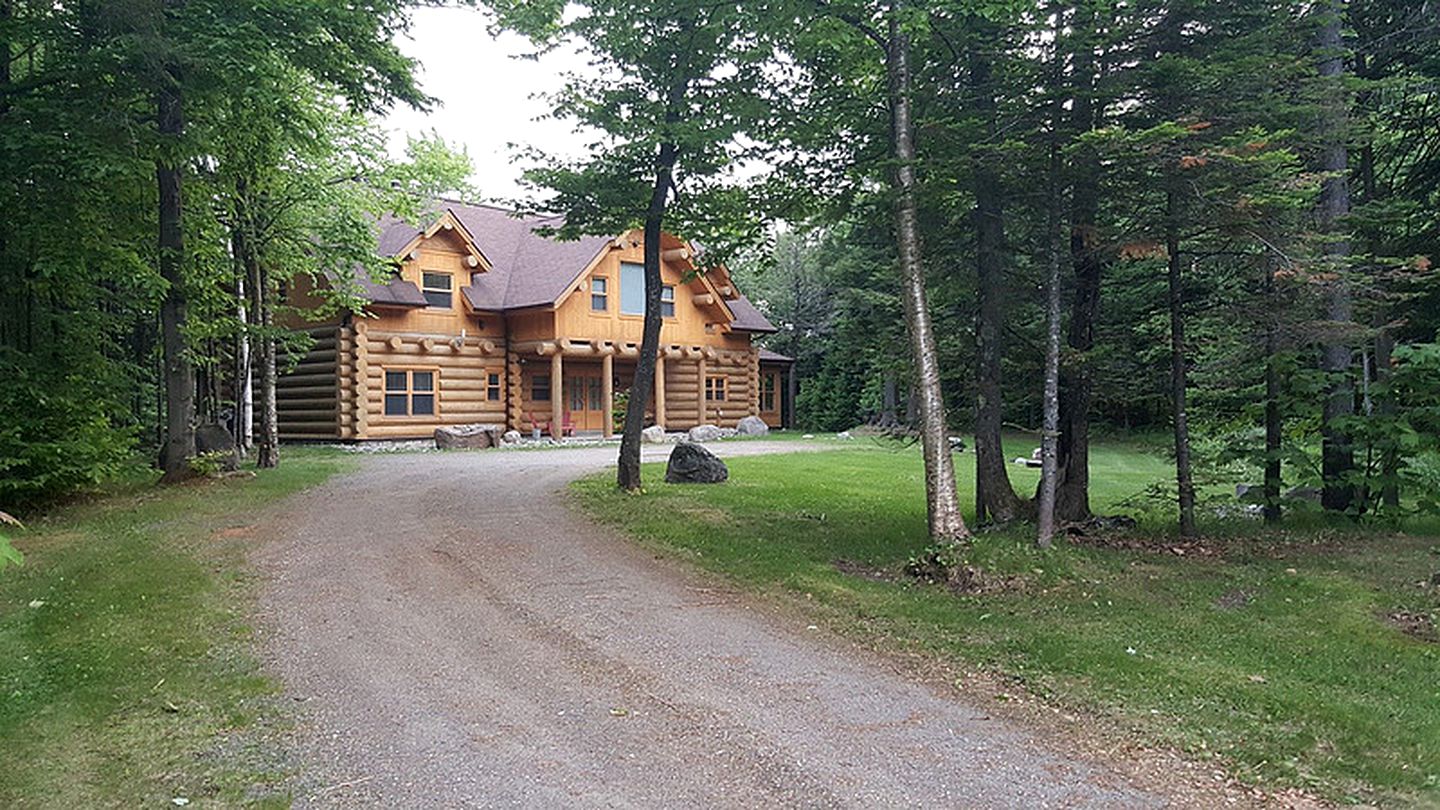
667 301
492 387
632 289
714 389
767 392
437 288
540 388
409 392
599 294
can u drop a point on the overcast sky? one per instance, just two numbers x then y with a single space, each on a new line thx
484 95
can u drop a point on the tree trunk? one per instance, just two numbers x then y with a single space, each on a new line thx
267 444
1390 457
946 525
244 402
994 494
179 371
1072 499
1185 484
1337 453
627 475
1273 426
1050 422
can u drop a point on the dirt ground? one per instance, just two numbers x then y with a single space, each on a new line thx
457 637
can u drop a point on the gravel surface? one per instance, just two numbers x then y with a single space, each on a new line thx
458 637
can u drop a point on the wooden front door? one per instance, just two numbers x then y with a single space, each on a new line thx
584 399
770 398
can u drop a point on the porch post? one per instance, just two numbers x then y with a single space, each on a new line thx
607 393
659 389
557 395
700 388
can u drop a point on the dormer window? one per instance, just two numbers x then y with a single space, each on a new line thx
438 289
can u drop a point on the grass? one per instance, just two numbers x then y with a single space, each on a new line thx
126 677
1271 653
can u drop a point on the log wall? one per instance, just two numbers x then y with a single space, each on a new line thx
462 365
307 397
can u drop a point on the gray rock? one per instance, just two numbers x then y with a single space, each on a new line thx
213 437
752 426
808 436
704 433
510 437
1311 494
728 433
653 435
957 444
844 434
1250 493
692 464
467 437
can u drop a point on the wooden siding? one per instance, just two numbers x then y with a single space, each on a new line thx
307 396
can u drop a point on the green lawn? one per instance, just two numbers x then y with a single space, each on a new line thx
1270 652
126 677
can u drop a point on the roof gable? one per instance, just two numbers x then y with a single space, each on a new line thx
519 268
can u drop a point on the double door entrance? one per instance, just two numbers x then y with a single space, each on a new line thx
585 399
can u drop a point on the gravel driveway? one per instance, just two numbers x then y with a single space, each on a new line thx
459 638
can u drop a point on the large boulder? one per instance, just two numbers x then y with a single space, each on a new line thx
467 437
752 426
214 438
705 433
654 434
692 464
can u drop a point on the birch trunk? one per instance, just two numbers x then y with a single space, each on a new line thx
946 525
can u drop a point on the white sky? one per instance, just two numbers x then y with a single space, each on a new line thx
485 96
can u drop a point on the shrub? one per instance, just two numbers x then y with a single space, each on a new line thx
55 438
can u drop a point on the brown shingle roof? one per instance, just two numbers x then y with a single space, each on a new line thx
527 269
767 356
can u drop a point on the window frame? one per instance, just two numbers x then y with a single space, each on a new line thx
716 386
623 311
409 393
667 303
493 382
769 387
549 387
603 295
449 290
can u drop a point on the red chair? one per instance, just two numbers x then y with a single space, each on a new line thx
567 427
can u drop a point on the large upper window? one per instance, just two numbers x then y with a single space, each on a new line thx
409 392
437 288
632 292
632 289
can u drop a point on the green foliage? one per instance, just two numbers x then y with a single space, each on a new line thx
56 438
9 555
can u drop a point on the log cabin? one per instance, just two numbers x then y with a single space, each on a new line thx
487 321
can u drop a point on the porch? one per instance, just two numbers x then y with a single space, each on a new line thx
583 386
